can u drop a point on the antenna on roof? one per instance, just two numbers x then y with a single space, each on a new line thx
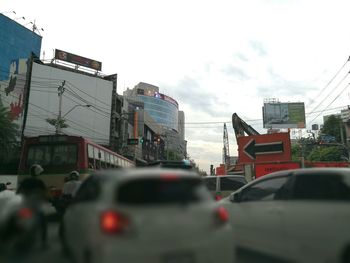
7 12
35 28
17 18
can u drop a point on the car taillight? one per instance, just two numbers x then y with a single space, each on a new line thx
169 177
25 213
113 222
221 215
218 197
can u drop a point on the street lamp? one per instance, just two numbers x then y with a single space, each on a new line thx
79 105
60 119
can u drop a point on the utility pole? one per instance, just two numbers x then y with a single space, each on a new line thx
60 93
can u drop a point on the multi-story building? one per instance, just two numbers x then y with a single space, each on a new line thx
162 111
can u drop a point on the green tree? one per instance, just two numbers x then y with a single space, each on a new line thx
333 126
8 134
327 154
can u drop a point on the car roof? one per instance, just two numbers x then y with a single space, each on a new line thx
306 171
226 175
144 172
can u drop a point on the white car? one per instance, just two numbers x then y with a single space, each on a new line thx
297 215
146 215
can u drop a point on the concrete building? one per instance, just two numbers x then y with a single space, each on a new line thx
162 113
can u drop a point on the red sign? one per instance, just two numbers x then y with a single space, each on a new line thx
220 170
267 168
274 147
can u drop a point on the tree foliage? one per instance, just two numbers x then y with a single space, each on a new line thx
8 134
60 123
327 154
333 126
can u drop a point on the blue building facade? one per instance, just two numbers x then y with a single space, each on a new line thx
16 45
163 110
16 42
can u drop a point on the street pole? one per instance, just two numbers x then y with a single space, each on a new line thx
60 93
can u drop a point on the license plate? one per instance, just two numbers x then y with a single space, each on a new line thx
179 257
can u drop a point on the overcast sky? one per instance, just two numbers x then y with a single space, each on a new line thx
214 57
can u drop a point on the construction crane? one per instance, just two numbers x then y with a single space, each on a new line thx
226 149
241 127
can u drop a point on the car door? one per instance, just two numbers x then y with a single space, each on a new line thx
78 217
316 217
256 217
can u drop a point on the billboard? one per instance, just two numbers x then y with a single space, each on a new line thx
16 45
78 60
86 103
284 115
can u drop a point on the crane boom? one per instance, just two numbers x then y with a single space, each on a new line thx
226 148
241 127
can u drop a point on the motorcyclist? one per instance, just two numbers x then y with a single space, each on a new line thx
34 188
69 190
35 194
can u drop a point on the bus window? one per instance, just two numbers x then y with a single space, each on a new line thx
39 154
108 159
64 154
91 156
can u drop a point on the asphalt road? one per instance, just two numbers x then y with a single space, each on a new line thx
50 254
53 252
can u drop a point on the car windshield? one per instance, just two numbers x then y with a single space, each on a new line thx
160 192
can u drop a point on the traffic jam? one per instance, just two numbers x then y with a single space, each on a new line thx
167 212
98 166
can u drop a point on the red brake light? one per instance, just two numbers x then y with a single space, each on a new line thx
25 213
222 215
218 197
169 177
113 222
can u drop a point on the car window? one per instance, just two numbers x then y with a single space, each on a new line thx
231 183
321 187
157 191
264 190
89 190
210 183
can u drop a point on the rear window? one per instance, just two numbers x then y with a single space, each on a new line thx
210 183
231 183
159 191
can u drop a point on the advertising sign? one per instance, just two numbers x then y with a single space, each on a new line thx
80 90
267 168
17 43
78 60
284 115
274 147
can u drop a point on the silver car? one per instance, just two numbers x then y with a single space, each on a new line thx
146 215
297 215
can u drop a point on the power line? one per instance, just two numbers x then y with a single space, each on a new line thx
329 82
332 101
331 91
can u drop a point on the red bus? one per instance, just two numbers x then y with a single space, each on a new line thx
61 154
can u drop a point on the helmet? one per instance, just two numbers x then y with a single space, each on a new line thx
74 175
36 169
